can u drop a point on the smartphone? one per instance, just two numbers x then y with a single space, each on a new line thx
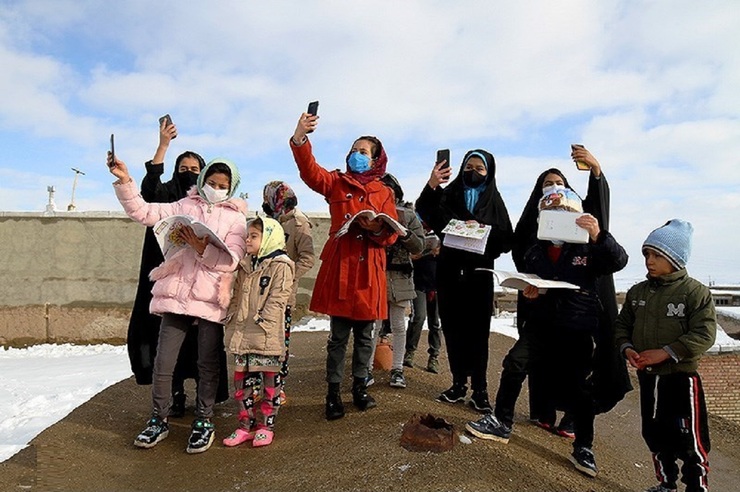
313 110
581 166
443 155
112 152
168 121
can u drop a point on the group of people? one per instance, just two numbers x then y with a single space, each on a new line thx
572 343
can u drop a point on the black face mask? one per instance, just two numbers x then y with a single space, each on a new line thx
187 180
266 208
473 179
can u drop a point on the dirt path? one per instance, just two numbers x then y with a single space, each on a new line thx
92 448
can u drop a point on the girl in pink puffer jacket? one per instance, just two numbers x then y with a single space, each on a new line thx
191 286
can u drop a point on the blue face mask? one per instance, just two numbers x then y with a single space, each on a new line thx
358 163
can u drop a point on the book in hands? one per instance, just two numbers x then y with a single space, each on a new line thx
466 236
520 281
167 233
372 215
560 225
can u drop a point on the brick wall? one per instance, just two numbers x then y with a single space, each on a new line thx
720 374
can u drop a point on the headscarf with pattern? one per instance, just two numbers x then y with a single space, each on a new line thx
279 197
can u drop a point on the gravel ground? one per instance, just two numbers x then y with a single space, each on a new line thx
92 448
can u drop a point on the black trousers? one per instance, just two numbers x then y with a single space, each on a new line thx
674 426
465 299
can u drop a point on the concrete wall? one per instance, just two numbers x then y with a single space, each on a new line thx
72 276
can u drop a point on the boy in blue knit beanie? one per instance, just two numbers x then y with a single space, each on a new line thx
666 324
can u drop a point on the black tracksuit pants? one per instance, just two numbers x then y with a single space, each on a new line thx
674 426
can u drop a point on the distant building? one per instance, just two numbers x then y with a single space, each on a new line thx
726 295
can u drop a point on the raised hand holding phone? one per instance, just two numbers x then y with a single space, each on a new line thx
443 156
166 128
306 124
442 171
584 160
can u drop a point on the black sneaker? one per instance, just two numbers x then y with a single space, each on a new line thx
156 430
583 459
201 436
489 427
455 394
479 401
369 380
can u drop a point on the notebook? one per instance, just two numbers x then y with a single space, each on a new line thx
560 225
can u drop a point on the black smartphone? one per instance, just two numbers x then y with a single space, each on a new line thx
313 110
443 155
167 121
112 152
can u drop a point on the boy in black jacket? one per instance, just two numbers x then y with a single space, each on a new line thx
562 325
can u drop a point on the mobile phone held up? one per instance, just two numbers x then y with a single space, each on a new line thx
112 152
581 166
313 110
167 120
443 155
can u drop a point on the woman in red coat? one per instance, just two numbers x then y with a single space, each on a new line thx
351 284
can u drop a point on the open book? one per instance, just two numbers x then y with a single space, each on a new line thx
520 281
466 236
371 214
167 232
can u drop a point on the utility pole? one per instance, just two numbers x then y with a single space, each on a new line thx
50 207
71 207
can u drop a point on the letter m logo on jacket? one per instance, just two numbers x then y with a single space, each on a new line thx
674 310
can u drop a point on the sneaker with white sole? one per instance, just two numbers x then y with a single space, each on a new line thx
454 394
397 379
156 430
489 427
479 402
201 436
584 461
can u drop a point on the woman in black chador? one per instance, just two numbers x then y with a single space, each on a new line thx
466 294
610 380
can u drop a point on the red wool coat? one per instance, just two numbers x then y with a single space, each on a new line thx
351 281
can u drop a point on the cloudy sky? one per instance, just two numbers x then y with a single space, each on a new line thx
650 87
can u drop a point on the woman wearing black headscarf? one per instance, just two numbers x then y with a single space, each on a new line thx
610 379
143 328
466 295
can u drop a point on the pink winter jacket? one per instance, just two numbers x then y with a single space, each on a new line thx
188 283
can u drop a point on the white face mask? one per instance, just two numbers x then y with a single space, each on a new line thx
549 190
213 195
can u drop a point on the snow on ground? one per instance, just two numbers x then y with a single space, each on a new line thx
42 384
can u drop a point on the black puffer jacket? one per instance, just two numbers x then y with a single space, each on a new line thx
579 264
